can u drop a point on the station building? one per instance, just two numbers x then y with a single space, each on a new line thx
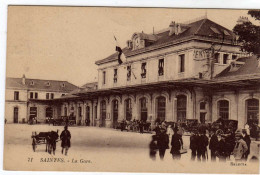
186 71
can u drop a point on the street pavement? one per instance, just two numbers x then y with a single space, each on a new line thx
102 149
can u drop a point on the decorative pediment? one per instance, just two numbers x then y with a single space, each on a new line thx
141 40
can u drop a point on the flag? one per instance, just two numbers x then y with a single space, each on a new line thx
121 57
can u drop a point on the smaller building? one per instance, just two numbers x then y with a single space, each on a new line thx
29 98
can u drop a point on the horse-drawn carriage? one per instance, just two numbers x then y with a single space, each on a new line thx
224 125
47 138
64 120
133 125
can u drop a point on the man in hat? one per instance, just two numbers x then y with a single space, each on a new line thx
203 142
213 146
240 147
177 144
247 139
162 142
153 147
65 140
220 146
194 144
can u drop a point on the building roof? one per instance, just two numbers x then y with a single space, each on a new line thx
38 84
251 67
86 87
201 28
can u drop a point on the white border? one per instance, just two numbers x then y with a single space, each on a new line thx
235 4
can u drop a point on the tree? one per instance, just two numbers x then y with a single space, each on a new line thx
249 34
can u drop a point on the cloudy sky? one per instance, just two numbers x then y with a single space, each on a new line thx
63 43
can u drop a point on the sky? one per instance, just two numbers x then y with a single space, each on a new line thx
63 43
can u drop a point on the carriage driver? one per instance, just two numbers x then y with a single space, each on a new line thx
65 140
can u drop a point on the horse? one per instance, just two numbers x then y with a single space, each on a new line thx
51 139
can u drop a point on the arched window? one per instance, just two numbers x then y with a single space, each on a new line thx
128 109
161 107
223 109
143 108
181 107
252 106
202 105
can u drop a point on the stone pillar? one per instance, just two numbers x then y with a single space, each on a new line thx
175 109
97 119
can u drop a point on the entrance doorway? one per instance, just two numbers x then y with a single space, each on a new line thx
33 113
87 116
128 109
15 114
115 113
103 113
202 117
49 112
144 114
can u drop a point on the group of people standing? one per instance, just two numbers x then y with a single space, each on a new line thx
221 145
163 137
231 143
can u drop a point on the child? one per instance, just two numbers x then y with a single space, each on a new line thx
153 147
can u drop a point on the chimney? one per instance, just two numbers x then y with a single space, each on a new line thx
23 79
172 28
178 29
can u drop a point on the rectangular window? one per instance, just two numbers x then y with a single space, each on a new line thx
47 95
16 95
128 76
115 75
182 62
31 95
143 70
52 95
216 58
104 77
36 95
225 58
161 67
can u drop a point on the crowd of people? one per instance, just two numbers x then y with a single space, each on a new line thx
163 138
135 125
221 145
